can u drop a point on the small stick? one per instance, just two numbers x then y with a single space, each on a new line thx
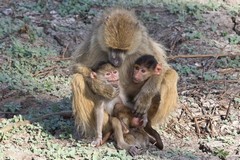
45 71
228 109
202 56
64 51
197 127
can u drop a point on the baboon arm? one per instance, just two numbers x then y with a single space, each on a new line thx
83 108
81 69
144 98
118 134
102 89
167 87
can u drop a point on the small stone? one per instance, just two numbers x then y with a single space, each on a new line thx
53 12
8 11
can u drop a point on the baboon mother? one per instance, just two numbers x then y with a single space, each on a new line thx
120 38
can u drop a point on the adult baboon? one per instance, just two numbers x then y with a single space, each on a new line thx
120 38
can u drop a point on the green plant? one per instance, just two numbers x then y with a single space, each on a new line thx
226 62
213 5
232 9
221 153
186 70
237 100
210 76
235 39
184 7
28 60
11 107
75 7
9 25
147 16
193 35
224 33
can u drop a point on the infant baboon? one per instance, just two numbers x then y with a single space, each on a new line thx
104 75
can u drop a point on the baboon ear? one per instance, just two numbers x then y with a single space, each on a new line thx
93 75
158 69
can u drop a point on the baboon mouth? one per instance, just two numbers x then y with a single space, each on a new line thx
114 82
136 81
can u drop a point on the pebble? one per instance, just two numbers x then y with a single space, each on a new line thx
8 11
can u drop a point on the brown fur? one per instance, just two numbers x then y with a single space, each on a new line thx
97 86
134 40
124 115
117 23
83 112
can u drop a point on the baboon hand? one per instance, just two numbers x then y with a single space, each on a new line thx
97 142
135 150
141 106
103 89
111 92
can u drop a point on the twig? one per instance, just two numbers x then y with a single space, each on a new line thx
207 116
26 122
202 56
214 61
228 109
177 133
197 127
229 105
201 84
182 111
188 111
65 50
223 81
56 59
45 70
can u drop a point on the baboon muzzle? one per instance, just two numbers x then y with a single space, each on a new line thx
116 58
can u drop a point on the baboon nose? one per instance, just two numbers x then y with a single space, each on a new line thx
116 63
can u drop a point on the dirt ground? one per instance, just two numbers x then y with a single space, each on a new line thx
202 44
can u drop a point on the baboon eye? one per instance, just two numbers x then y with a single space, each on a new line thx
143 70
115 72
137 68
107 74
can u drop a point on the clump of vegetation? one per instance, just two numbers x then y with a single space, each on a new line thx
80 7
221 153
227 62
27 67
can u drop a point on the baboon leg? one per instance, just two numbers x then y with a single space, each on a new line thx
169 97
118 134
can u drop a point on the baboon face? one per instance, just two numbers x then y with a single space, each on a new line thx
116 57
120 34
